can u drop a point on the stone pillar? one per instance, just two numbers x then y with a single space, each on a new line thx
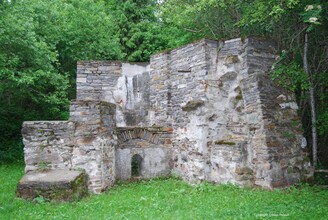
95 142
160 90
275 130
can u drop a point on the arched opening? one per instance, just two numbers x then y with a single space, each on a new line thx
136 165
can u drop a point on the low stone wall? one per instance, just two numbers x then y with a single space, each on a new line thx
48 144
85 142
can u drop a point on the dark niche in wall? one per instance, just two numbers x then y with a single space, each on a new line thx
136 165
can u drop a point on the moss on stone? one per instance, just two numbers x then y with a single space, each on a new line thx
230 59
42 146
244 170
239 97
288 135
44 166
307 159
222 142
192 105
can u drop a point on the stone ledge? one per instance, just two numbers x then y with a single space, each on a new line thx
53 185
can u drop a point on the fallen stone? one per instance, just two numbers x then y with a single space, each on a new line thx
53 185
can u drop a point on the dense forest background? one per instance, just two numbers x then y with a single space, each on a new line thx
40 42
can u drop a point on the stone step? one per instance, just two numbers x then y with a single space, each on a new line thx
53 185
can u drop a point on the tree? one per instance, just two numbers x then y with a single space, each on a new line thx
311 16
30 86
138 28
40 42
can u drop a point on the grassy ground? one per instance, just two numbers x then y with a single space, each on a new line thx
168 199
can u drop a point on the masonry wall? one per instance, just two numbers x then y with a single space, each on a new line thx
85 142
48 144
184 72
278 155
226 115
124 84
95 141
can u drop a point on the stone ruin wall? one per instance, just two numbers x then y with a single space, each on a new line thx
85 142
206 111
124 84
231 123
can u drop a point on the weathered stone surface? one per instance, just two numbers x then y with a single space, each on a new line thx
192 105
124 84
54 185
85 142
154 160
245 120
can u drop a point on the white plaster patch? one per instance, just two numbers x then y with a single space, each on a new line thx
181 86
303 142
131 70
292 105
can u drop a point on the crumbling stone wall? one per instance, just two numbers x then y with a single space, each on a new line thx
231 122
95 141
124 84
48 144
205 111
85 142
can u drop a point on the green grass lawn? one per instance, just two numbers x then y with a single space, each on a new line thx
168 199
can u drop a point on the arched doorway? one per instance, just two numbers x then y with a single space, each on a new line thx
136 165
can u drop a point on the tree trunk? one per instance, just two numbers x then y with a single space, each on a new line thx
312 102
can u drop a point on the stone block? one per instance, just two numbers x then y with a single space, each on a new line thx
53 185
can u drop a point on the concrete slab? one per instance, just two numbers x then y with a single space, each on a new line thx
54 185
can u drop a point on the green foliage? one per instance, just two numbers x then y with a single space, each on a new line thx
138 28
11 150
289 74
320 178
322 123
168 199
30 86
199 18
39 199
263 16
40 42
312 15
